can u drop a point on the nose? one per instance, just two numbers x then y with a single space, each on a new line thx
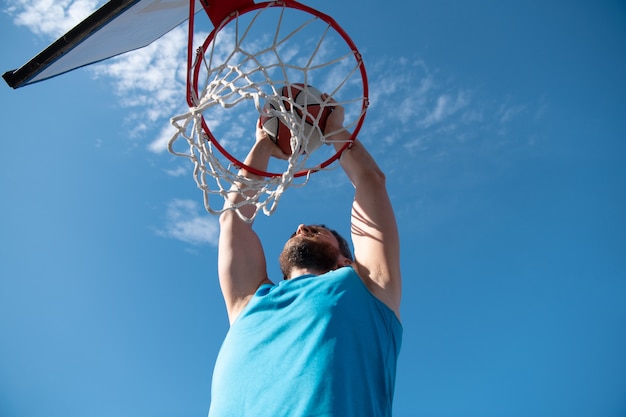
303 230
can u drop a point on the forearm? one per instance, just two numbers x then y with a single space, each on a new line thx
257 158
237 238
360 166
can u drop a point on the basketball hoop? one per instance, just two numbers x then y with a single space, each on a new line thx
254 54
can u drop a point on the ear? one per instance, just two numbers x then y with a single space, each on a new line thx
344 262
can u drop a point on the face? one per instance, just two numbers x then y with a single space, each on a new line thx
311 247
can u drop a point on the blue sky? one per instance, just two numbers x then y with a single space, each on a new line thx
501 126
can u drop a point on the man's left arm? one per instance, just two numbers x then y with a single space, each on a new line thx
373 225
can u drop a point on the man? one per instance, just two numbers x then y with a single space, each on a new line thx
323 342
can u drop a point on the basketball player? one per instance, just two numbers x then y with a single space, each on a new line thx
324 341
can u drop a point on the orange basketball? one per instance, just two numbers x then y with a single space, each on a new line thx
307 104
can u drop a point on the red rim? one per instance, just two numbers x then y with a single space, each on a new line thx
192 82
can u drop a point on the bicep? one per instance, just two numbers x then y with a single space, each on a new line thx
241 262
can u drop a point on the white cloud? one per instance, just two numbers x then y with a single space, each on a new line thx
50 17
444 107
159 144
150 82
417 110
178 171
188 222
409 101
508 112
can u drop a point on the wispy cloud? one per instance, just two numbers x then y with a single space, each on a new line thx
417 109
151 83
50 18
178 171
409 104
444 107
507 113
185 220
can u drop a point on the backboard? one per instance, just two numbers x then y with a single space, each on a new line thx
117 27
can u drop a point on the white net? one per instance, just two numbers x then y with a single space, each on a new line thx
240 73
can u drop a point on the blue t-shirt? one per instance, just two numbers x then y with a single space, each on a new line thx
311 346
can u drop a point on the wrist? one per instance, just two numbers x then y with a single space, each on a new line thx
340 139
263 146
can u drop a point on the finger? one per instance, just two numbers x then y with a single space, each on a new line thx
328 98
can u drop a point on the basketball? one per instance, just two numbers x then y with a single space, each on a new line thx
307 104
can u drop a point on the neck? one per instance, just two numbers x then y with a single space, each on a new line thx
298 272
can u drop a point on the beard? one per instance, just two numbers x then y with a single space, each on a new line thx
303 252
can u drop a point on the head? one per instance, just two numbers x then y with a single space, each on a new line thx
315 248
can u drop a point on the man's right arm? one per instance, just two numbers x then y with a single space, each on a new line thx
241 259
